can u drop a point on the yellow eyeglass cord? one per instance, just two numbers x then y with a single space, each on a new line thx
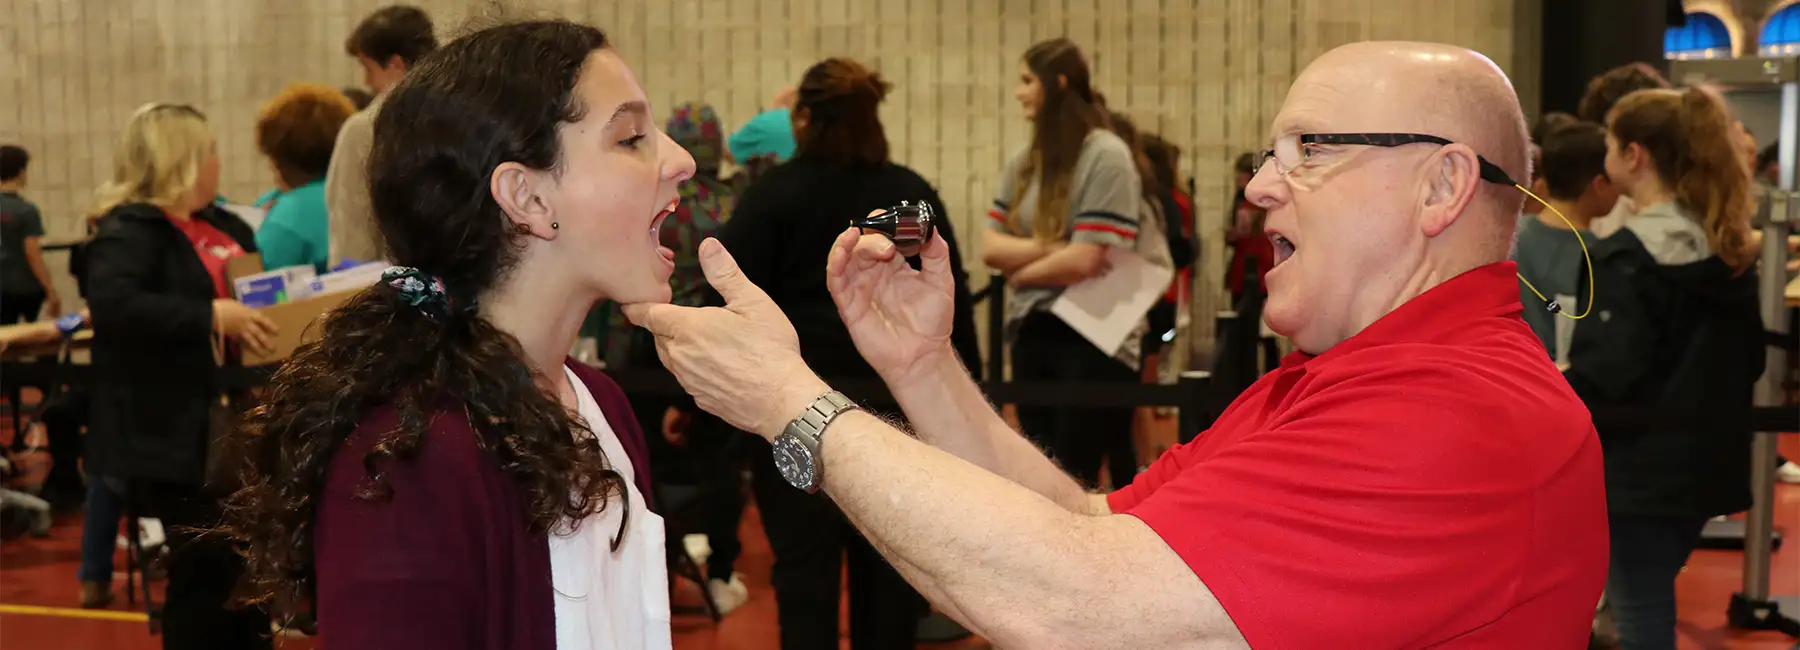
1552 305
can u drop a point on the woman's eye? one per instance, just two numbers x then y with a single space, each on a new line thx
633 141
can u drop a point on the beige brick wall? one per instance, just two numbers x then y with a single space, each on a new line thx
1208 74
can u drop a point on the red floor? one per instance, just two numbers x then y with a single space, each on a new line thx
41 573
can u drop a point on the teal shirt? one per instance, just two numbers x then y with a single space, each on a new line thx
295 231
770 133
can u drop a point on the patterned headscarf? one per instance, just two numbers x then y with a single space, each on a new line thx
696 128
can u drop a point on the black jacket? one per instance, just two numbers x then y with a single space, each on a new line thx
151 303
781 232
1683 336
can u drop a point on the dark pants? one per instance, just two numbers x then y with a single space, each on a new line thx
20 307
812 541
100 528
1077 438
203 571
1647 554
713 461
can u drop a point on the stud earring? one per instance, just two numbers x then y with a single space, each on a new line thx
555 226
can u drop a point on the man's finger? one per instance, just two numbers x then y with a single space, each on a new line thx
876 248
839 260
659 318
934 260
723 274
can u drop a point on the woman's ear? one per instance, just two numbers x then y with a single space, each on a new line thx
523 194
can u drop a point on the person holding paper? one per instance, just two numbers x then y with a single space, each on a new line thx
1418 475
1067 204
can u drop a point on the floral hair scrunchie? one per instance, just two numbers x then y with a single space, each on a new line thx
419 290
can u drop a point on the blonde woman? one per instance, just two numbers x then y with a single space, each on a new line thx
163 319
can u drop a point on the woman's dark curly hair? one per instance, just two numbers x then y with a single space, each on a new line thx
496 95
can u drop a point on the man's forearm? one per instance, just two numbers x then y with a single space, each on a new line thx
1002 560
947 410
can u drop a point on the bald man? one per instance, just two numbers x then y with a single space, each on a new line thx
1418 475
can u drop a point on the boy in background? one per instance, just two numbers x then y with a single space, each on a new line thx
1573 181
25 288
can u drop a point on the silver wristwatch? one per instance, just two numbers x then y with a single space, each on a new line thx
797 448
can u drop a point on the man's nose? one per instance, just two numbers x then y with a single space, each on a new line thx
1267 188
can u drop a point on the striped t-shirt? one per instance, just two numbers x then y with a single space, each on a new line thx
1106 206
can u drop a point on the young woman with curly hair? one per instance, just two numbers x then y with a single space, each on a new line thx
435 472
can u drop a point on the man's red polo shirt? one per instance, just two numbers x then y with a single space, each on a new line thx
1430 482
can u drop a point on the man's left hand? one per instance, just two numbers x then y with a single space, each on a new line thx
742 361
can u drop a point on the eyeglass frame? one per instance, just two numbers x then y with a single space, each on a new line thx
1489 171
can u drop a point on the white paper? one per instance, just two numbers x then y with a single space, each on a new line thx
1105 309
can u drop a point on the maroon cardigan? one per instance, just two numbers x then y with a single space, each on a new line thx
449 561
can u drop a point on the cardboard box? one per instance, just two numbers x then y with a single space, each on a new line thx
270 288
298 322
298 318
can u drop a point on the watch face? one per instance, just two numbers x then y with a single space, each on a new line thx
794 461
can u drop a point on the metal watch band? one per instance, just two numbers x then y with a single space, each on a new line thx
818 415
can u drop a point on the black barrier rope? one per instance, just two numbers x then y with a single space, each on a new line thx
1201 403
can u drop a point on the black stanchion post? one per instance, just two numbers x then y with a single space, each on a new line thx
996 314
1195 414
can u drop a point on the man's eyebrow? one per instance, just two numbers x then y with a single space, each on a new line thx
629 108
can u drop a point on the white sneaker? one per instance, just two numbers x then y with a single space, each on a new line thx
1788 472
728 596
697 547
150 534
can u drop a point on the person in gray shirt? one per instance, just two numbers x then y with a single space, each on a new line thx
25 287
1573 181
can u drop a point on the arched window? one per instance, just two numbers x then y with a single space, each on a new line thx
1703 37
1781 33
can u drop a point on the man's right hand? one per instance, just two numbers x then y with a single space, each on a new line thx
246 325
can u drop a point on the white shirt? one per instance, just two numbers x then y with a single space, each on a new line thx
608 600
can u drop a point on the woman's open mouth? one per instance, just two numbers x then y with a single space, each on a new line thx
656 230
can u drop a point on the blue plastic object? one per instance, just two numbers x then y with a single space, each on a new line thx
69 324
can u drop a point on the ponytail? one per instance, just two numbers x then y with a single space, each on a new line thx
1690 137
1715 182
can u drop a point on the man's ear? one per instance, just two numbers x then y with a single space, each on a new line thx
1450 188
1062 81
523 194
394 63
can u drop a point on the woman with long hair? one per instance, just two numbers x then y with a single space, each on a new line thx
1675 321
1065 199
163 322
781 232
435 472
